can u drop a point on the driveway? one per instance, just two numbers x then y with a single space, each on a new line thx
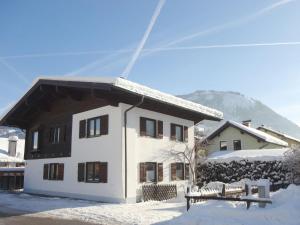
13 217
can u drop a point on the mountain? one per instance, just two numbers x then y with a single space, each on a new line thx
238 107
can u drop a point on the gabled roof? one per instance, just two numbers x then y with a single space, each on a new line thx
262 136
127 90
279 133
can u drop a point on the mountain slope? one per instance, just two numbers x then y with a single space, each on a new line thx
238 107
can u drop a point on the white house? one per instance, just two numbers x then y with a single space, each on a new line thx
102 138
11 162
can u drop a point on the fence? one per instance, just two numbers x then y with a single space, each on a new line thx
159 192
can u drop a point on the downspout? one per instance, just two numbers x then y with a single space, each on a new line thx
125 133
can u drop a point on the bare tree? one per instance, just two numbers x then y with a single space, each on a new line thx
292 161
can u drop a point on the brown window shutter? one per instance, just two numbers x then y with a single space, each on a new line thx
142 172
173 132
160 171
81 168
82 129
46 172
60 171
160 129
173 171
142 126
104 125
186 133
103 172
41 137
187 171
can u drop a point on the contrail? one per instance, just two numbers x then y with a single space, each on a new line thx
65 54
222 46
144 39
12 69
241 21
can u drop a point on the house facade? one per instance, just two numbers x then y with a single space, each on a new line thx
102 139
233 136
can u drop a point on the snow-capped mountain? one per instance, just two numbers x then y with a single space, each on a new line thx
238 107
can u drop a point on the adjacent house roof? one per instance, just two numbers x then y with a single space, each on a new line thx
249 155
262 136
121 88
278 133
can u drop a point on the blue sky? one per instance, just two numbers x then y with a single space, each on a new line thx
84 38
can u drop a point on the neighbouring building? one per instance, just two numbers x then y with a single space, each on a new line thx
292 141
103 138
233 136
11 163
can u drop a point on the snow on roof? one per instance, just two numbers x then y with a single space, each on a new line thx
11 169
141 90
279 133
4 157
266 137
250 155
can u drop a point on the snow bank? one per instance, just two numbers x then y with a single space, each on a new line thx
284 210
249 155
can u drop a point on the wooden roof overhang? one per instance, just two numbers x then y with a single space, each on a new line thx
44 92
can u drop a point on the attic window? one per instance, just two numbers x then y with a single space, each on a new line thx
35 140
223 145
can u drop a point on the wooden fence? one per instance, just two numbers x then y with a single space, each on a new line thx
159 192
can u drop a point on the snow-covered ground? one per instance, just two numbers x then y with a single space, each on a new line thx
284 210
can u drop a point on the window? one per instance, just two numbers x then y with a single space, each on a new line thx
53 171
180 171
96 172
55 135
179 133
237 145
35 140
223 145
151 128
93 127
151 172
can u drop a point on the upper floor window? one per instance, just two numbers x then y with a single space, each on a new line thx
35 140
55 135
93 127
179 133
223 145
151 128
237 145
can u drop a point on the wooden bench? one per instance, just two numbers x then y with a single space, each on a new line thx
246 199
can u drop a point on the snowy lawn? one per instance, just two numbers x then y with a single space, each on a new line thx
94 212
284 210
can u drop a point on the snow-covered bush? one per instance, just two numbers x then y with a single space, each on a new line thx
292 162
230 172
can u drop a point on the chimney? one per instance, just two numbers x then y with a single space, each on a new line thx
12 146
247 123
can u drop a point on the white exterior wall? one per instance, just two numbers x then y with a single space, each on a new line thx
247 141
110 148
106 148
148 149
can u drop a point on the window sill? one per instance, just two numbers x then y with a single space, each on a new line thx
151 137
